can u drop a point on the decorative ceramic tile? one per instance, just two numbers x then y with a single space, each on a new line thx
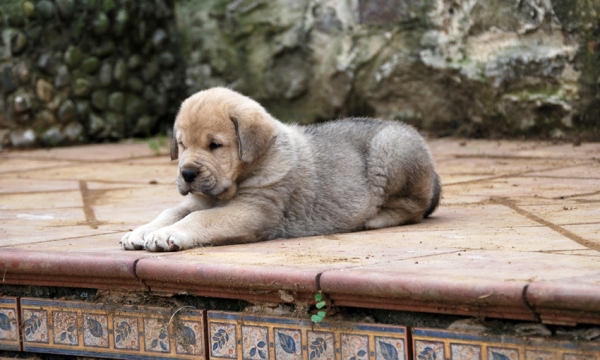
428 350
465 352
257 337
321 345
126 333
9 324
288 344
430 344
567 356
95 330
540 355
255 342
354 347
223 341
35 326
65 328
506 353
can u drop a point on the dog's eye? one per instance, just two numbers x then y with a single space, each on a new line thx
213 146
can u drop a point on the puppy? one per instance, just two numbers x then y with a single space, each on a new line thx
247 177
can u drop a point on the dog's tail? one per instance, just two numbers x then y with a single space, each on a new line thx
437 192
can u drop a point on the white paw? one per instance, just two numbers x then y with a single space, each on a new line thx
133 240
136 239
167 239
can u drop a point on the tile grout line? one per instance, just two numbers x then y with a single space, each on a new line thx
90 217
566 233
529 305
518 174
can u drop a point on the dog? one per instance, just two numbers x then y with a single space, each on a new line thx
247 177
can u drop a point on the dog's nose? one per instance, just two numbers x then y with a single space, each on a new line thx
189 175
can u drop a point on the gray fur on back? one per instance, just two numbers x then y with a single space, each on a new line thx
348 175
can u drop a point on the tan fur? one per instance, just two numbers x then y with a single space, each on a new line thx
248 177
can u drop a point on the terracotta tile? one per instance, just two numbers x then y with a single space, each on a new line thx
589 170
589 232
9 324
288 264
468 282
40 200
19 184
516 187
255 337
567 212
25 226
20 165
483 148
463 170
432 344
88 262
104 172
98 152
128 208
105 330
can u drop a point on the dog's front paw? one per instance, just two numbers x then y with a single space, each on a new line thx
167 239
133 240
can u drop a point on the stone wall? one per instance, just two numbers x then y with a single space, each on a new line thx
94 70
494 68
75 71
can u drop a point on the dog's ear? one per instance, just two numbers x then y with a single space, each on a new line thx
255 133
174 147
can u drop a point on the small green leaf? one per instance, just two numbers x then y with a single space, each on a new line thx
322 314
318 297
316 319
321 304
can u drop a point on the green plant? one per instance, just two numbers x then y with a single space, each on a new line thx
155 143
320 304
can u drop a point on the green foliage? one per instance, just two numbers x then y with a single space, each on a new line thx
320 304
155 143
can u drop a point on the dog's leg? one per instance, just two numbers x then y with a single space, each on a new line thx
135 240
398 211
237 222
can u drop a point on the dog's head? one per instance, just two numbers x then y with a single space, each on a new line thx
216 134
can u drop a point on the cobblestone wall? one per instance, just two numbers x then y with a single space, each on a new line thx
74 71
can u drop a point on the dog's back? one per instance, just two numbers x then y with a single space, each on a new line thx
358 166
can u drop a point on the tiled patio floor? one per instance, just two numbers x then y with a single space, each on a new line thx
517 235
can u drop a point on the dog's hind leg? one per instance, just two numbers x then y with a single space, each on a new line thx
398 211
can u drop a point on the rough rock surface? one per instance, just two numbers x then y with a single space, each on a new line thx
64 74
462 67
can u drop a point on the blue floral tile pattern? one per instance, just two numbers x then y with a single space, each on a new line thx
188 337
95 330
9 324
126 334
468 346
354 347
568 356
283 338
321 345
288 344
502 353
223 341
65 326
540 355
465 352
156 335
255 342
35 326
427 350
